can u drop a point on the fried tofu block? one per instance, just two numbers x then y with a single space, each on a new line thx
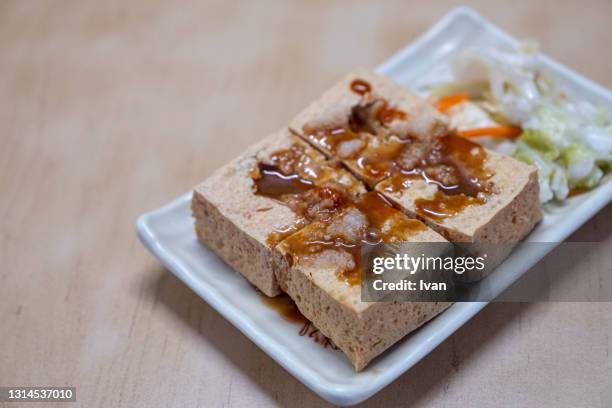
242 226
322 278
364 119
490 223
505 215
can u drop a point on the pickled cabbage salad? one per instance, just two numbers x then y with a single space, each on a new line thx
504 101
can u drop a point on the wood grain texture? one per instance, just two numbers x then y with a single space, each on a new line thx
112 108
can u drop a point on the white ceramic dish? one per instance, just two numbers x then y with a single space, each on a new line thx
168 233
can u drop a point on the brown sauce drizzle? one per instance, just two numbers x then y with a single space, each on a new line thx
289 171
460 173
288 310
381 162
456 165
383 223
274 184
330 139
383 215
276 237
304 185
387 114
360 87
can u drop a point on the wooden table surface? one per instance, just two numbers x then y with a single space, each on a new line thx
112 108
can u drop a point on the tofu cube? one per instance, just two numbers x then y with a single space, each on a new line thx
243 227
363 121
323 279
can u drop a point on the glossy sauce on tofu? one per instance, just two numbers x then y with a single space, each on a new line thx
311 188
338 242
271 182
361 87
333 222
307 186
456 165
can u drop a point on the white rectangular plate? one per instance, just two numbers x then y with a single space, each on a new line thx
168 233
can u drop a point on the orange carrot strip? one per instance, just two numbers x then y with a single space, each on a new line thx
508 132
444 103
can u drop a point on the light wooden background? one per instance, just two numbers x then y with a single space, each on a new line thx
112 108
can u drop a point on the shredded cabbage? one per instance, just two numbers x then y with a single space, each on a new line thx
569 141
